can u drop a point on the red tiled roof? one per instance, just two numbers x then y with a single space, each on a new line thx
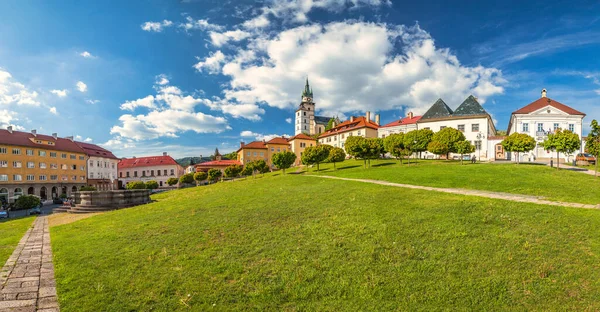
255 145
146 162
302 136
545 101
403 121
95 150
279 140
357 123
20 138
215 163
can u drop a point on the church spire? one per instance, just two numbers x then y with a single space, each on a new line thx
307 90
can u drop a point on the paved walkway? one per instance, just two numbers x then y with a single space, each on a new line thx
575 169
27 278
478 193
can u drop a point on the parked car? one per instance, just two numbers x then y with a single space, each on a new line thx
35 211
3 214
586 157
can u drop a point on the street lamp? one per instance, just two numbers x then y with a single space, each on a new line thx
479 137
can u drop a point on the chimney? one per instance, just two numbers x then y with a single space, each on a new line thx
543 93
69 138
377 119
164 153
34 132
55 135
242 144
9 128
368 116
133 157
351 118
410 115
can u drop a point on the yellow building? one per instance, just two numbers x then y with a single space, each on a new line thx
299 143
356 126
262 150
42 165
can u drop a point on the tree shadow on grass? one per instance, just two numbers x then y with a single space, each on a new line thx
348 167
383 164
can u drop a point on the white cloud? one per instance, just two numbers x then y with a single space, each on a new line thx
88 140
147 102
92 101
14 92
162 79
59 93
53 110
260 21
200 24
86 54
259 136
8 118
296 11
248 134
288 120
156 26
78 138
249 111
82 87
219 39
212 63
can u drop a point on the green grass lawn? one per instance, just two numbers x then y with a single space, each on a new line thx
536 180
288 243
11 231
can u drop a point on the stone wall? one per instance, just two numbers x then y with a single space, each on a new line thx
111 199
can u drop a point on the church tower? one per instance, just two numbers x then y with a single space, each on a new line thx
305 113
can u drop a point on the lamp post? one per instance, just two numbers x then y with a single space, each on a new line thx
479 137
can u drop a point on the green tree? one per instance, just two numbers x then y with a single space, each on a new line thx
233 171
437 148
27 202
374 149
231 156
261 166
284 160
417 141
200 176
248 169
394 144
592 142
562 141
449 136
518 143
336 155
172 181
151 185
315 155
187 178
136 185
330 124
214 174
464 147
356 146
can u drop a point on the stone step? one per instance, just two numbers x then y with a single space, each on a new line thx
88 210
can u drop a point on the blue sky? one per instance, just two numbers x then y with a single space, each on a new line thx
185 77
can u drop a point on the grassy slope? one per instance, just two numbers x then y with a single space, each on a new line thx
299 243
11 232
525 179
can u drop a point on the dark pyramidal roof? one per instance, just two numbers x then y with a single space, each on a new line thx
469 107
438 110
322 120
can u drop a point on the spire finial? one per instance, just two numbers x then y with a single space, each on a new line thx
307 92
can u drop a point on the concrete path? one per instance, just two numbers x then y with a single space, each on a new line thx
478 193
576 169
27 279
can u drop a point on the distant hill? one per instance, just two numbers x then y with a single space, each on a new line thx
186 161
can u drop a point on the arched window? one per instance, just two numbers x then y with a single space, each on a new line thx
30 191
3 195
18 191
74 189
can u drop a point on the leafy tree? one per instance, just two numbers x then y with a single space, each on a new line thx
563 141
27 202
417 141
260 166
151 185
336 155
592 142
315 155
187 178
356 146
200 176
231 156
284 160
518 143
394 144
374 148
233 171
136 185
248 169
172 181
449 136
438 148
214 174
464 147
329 124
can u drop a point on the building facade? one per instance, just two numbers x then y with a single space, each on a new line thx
298 144
356 126
542 117
157 168
41 165
402 125
261 150
305 119
101 167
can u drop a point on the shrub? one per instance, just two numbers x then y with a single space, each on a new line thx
233 171
214 174
172 181
187 178
151 185
284 160
200 176
136 185
27 202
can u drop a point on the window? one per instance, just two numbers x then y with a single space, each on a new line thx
43 165
165 172
262 154
302 144
143 173
442 127
478 145
91 175
3 177
358 132
113 165
91 163
54 177
461 128
74 167
278 150
128 174
81 157
98 164
272 150
42 153
16 164
572 127
172 171
304 127
135 173
525 127
3 150
38 141
304 115
63 156
73 156
42 178
540 127
248 154
50 143
17 177
16 151
29 152
158 173
64 167
3 164
82 178
30 164
82 168
74 178
120 174
30 177
53 154
475 127
555 126
151 173
53 166
255 152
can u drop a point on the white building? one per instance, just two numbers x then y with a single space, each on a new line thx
544 116
403 125
101 168
355 126
469 118
305 119
157 168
